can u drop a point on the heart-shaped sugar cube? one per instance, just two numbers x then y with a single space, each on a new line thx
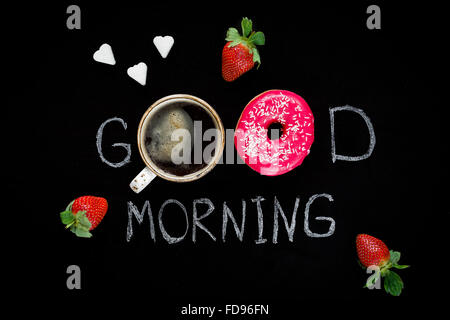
104 54
138 72
163 44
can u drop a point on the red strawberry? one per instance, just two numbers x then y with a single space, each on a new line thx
372 252
84 214
240 54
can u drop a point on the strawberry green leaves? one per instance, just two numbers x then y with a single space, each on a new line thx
393 284
256 57
246 25
249 38
395 257
78 222
82 225
67 217
257 38
233 35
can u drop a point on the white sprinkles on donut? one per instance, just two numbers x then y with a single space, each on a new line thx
275 157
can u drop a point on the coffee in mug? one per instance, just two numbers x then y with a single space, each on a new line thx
170 140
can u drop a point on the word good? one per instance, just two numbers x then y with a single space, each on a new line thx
203 152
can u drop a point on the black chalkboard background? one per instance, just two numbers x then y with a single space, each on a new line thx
323 52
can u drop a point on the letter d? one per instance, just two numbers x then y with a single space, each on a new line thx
335 156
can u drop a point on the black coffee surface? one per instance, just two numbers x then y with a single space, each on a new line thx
197 114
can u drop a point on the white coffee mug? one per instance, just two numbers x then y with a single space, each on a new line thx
151 170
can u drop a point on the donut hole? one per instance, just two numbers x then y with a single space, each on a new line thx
275 130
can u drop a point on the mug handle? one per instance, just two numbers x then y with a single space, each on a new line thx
142 180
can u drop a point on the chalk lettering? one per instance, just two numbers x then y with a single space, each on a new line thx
228 214
306 223
289 228
335 156
166 236
124 145
196 220
258 201
133 211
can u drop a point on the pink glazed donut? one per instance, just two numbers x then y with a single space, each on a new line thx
275 157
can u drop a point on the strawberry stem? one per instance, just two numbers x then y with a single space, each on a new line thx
70 224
